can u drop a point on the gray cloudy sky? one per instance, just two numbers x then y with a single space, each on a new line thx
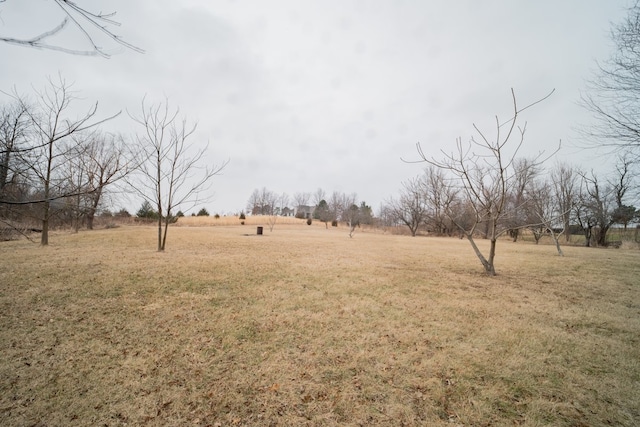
331 94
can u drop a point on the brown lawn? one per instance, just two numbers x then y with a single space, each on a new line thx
305 326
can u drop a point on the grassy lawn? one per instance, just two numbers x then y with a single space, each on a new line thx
304 326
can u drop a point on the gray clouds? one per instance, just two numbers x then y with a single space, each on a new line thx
331 94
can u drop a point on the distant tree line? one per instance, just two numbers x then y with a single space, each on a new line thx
339 207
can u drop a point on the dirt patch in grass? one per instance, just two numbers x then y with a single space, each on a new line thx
305 326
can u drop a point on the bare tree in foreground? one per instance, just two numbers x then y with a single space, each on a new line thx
90 25
484 170
170 170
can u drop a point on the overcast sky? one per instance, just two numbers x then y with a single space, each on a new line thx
306 94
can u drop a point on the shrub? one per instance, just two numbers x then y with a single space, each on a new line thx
242 216
203 212
180 214
146 211
217 216
334 223
123 213
309 221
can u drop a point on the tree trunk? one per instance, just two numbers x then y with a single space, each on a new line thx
95 200
601 236
587 236
487 264
166 228
567 230
160 247
4 168
90 215
556 239
76 215
44 238
492 254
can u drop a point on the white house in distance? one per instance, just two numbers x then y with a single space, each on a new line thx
304 211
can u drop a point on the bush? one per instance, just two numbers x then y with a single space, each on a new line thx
203 212
123 213
180 214
334 223
242 216
309 221
217 216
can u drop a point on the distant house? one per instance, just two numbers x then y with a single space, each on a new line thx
288 212
304 211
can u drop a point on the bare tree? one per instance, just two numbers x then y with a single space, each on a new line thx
91 26
583 212
487 179
385 217
170 168
524 172
543 212
301 199
13 135
563 178
603 203
438 195
614 94
52 129
283 202
262 202
411 208
104 159
349 212
624 181
335 205
318 196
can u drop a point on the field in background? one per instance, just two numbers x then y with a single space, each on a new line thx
305 326
205 221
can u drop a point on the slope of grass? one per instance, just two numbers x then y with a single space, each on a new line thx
304 326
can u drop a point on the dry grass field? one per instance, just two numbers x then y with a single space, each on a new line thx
307 327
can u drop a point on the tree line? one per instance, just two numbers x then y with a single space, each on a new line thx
559 201
57 167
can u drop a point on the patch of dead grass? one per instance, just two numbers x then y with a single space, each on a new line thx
304 326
